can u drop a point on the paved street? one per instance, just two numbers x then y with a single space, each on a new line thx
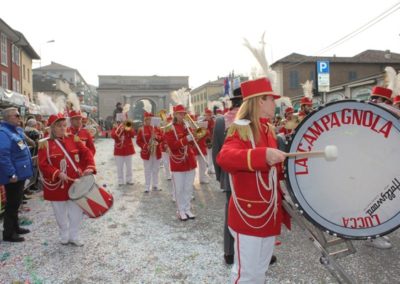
140 241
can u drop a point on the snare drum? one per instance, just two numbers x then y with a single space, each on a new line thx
95 201
356 196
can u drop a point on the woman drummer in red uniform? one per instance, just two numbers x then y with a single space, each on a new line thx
250 156
63 158
182 162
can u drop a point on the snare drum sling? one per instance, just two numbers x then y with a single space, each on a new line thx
52 161
255 207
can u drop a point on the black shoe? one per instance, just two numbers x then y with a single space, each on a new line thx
22 231
273 260
14 239
228 258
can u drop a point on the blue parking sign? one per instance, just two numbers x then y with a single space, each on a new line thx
323 67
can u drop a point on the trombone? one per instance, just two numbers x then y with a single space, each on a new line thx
200 133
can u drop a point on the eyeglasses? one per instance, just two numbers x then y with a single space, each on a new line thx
16 115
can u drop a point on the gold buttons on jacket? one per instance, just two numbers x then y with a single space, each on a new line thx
248 205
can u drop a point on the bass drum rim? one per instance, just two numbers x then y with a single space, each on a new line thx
289 183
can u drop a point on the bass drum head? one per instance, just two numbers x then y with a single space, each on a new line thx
357 195
81 187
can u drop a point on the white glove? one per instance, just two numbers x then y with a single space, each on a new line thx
189 138
63 176
275 156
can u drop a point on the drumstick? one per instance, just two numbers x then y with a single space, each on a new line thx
330 152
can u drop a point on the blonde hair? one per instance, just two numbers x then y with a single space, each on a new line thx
250 110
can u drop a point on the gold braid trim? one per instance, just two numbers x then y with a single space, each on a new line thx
76 138
43 143
249 160
244 131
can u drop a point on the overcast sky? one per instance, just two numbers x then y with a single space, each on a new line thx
199 39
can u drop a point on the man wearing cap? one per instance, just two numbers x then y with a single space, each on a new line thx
123 150
182 162
222 124
15 168
149 140
77 129
251 158
62 159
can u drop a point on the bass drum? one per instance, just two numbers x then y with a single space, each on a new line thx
357 195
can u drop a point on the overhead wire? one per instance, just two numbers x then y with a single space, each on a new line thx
354 33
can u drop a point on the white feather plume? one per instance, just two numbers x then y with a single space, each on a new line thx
307 89
181 97
286 101
259 54
218 104
390 77
126 108
147 106
396 90
60 103
47 106
73 102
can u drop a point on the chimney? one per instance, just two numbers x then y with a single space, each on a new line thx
387 55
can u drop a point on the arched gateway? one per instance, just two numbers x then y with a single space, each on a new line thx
131 89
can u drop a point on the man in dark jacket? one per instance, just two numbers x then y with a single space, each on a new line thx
222 123
15 168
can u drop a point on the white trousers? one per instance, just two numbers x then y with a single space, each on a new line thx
252 257
68 216
183 185
203 177
121 161
165 162
151 170
210 162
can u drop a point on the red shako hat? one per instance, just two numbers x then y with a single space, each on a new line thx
179 108
55 117
382 92
259 87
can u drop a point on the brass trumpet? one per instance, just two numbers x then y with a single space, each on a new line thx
128 124
125 126
198 131
163 115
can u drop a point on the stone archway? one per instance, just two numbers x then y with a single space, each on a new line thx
139 105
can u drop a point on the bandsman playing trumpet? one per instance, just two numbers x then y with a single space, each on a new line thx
182 162
123 133
77 129
149 138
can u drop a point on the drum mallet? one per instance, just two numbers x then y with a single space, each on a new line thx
330 153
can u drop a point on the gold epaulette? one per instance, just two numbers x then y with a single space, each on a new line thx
167 128
242 127
43 143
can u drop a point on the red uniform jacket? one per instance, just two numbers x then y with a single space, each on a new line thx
123 145
239 159
181 155
143 139
85 137
50 156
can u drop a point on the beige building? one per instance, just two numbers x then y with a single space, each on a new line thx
295 69
208 92
27 54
